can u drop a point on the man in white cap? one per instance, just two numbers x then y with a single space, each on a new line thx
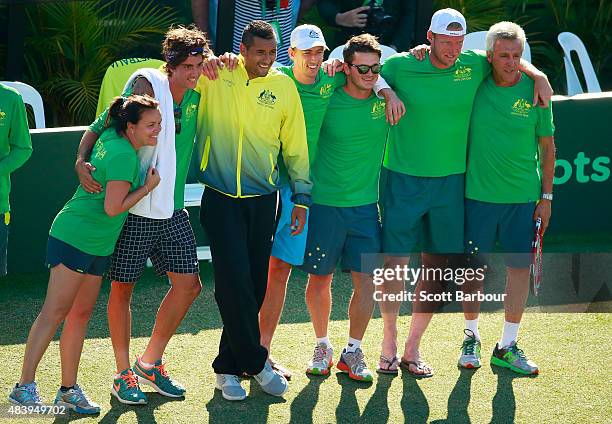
426 163
315 88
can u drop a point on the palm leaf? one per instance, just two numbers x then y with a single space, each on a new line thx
71 44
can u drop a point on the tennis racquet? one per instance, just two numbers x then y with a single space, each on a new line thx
536 263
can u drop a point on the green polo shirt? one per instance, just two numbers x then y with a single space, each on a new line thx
431 139
503 143
347 167
82 222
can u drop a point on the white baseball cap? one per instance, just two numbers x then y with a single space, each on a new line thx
306 37
443 18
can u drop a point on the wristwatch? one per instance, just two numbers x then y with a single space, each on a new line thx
547 196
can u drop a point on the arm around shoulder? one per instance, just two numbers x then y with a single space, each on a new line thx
143 86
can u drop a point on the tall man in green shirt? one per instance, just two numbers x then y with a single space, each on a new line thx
503 189
15 150
344 221
426 160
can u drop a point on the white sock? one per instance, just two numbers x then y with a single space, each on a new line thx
510 333
144 364
324 340
352 345
472 325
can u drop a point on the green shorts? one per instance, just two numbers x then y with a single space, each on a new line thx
510 224
349 235
422 214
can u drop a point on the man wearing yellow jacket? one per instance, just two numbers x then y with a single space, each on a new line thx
245 118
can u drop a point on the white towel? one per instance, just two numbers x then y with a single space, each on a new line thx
159 204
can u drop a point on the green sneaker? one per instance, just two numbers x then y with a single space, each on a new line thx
126 390
158 378
514 358
470 351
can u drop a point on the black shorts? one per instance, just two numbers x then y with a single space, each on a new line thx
59 252
170 243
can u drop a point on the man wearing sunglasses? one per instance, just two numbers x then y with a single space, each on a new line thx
315 88
344 220
158 227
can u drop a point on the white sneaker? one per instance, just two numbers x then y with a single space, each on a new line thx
230 387
322 360
272 382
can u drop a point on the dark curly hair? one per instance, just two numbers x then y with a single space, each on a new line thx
180 42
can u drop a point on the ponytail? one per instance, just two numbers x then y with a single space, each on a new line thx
128 109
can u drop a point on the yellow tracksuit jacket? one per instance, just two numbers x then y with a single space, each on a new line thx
242 125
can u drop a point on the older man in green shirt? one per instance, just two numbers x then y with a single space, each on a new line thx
15 150
506 189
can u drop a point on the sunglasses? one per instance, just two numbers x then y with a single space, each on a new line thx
363 69
178 113
196 51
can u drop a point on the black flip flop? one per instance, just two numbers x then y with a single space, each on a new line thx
389 363
405 365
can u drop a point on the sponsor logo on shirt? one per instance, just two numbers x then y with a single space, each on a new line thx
521 108
228 83
100 151
378 109
326 90
266 98
190 111
463 73
2 116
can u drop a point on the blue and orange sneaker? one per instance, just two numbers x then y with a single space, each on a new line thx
157 377
126 390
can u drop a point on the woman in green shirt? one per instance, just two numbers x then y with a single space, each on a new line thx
81 239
